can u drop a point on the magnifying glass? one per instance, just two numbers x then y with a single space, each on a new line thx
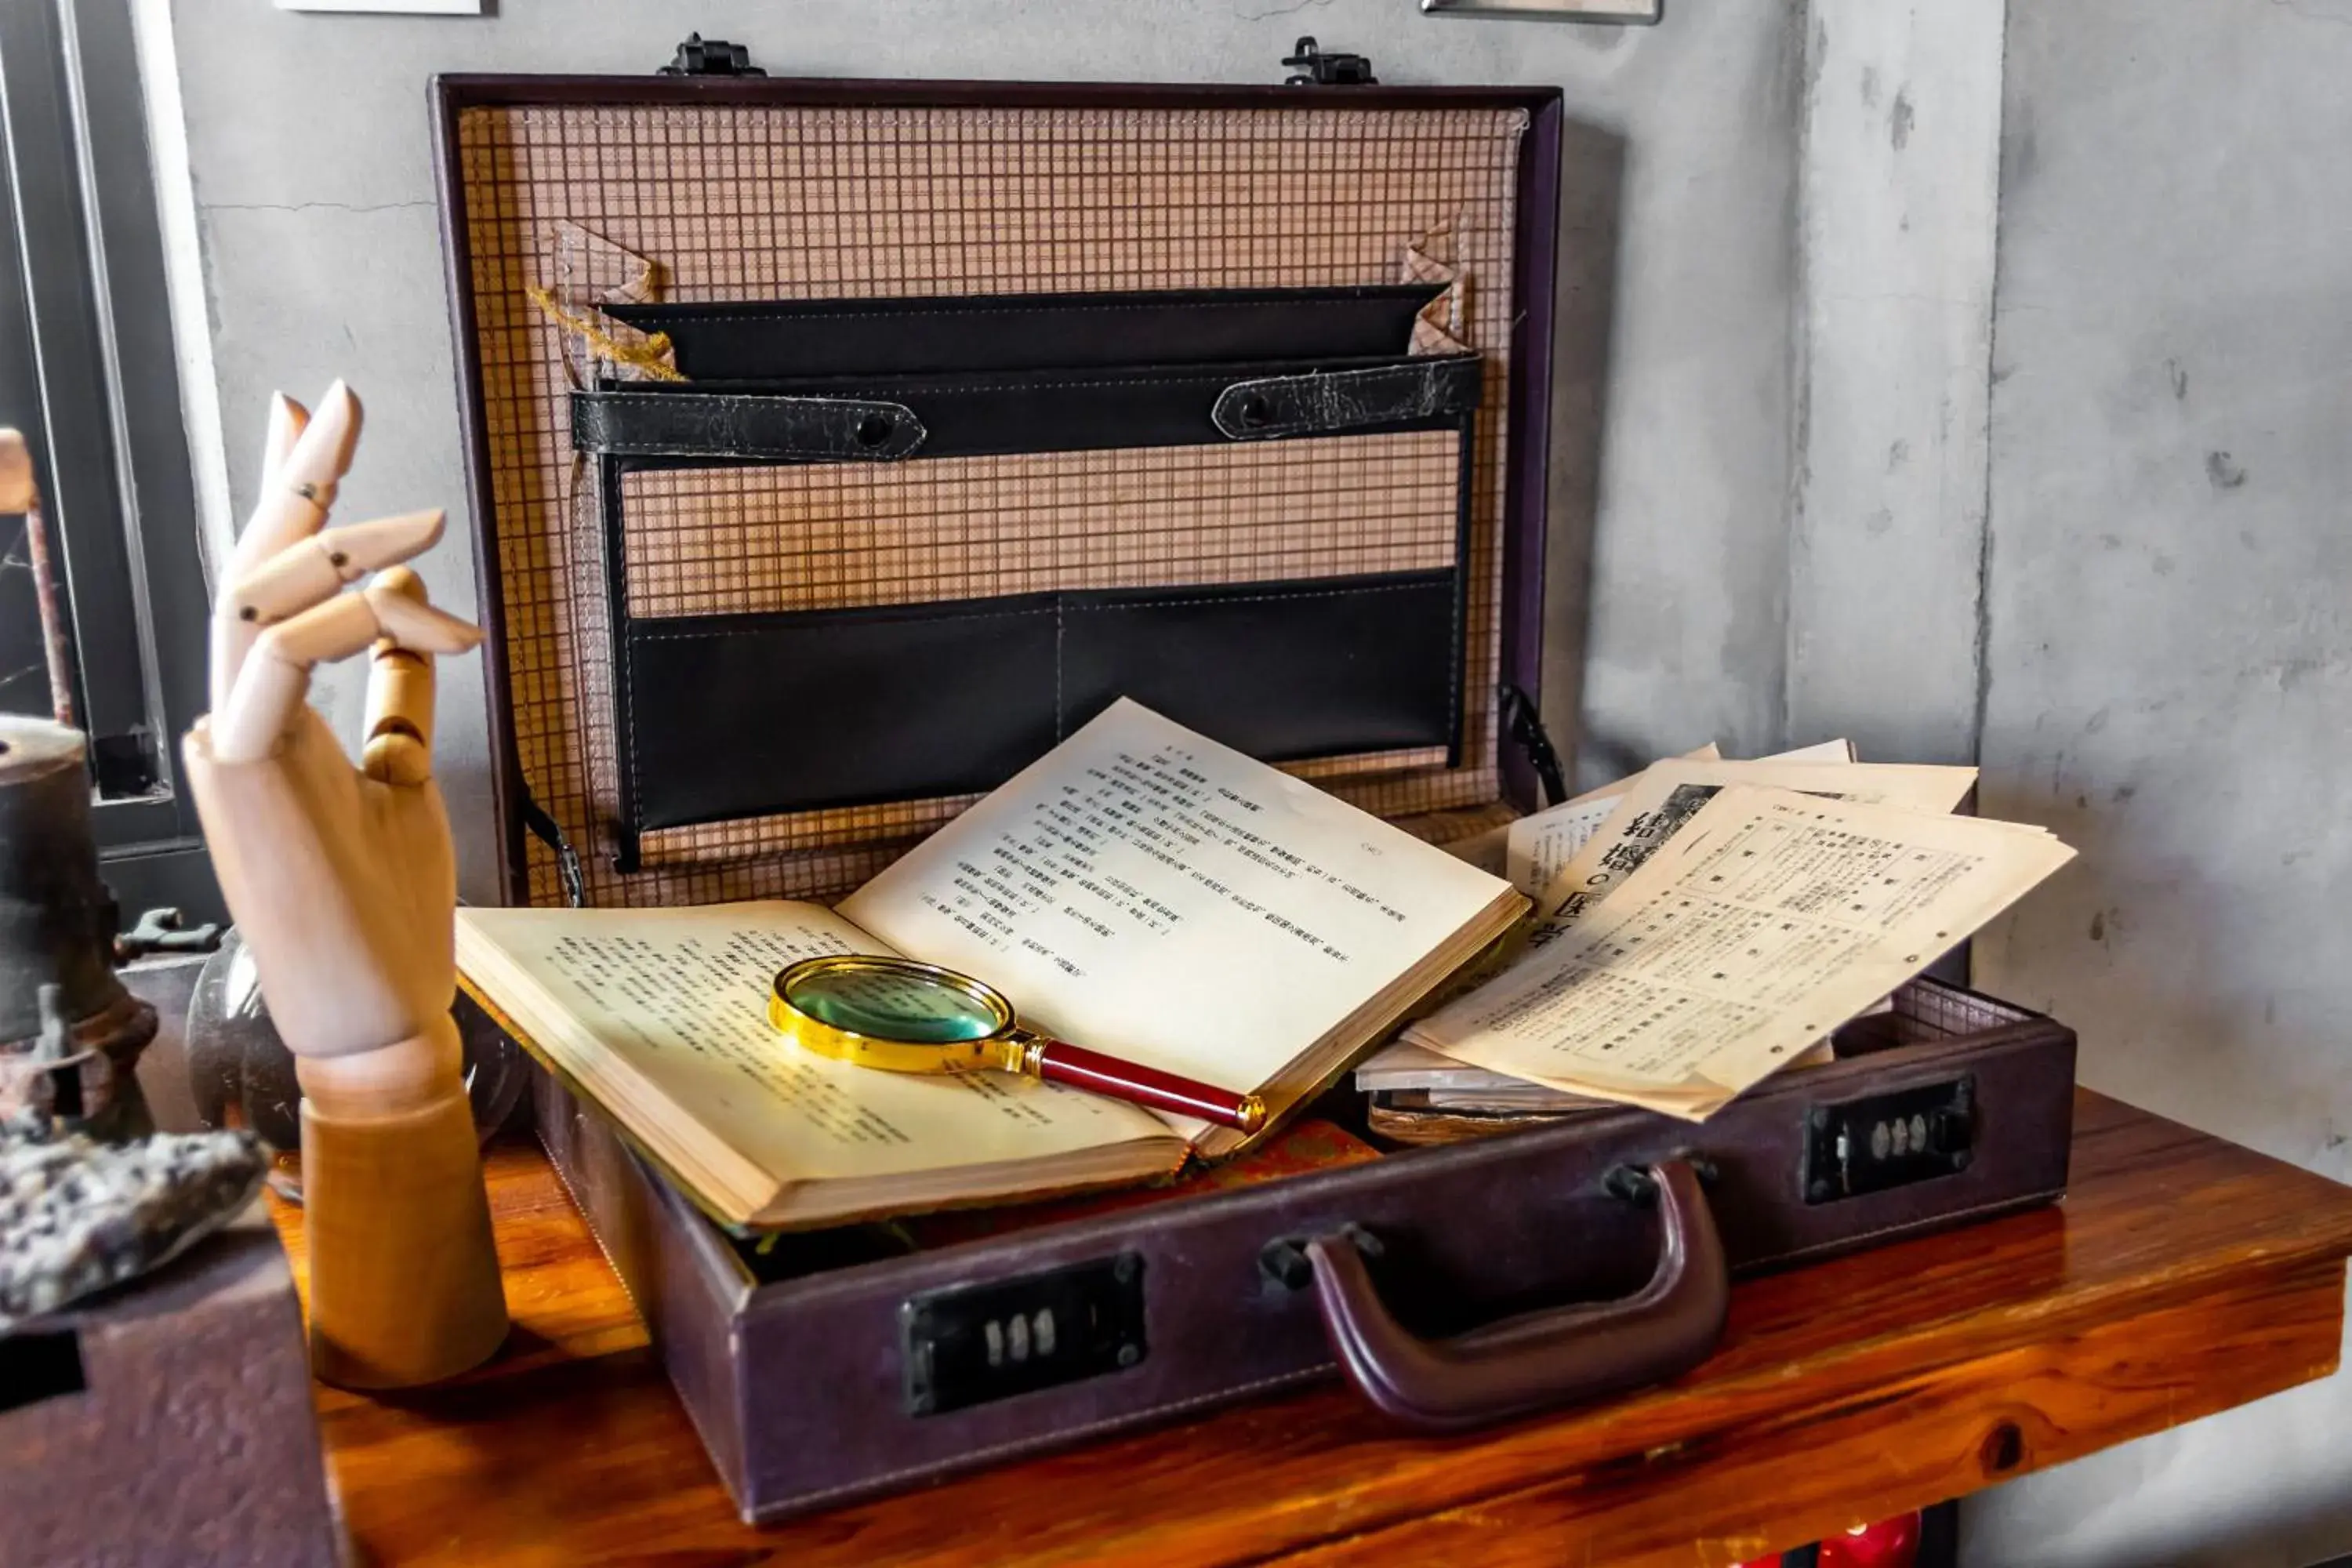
904 1016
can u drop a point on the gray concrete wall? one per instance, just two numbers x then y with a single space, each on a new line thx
2169 660
1897 189
310 164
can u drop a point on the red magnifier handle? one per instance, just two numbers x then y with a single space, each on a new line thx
1058 1061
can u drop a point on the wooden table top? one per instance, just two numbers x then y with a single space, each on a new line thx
2182 1276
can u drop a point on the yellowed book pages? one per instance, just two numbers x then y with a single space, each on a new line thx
1485 850
1529 852
1140 891
1452 1085
1837 750
1510 851
1144 891
1767 921
1538 846
660 1014
1709 753
1654 806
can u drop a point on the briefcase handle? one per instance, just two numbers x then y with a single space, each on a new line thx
1526 1363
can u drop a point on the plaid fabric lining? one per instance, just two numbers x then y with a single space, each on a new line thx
753 203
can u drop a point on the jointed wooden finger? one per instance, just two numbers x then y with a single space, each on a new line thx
232 638
402 615
310 570
288 420
295 502
277 676
397 742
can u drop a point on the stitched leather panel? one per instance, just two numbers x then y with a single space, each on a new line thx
737 716
1322 403
1278 670
749 339
767 427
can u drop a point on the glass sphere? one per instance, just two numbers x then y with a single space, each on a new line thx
242 1075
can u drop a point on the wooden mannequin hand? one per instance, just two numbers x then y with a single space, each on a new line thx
341 879
342 882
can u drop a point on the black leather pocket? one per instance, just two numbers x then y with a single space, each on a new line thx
763 339
728 717
725 718
734 716
1281 670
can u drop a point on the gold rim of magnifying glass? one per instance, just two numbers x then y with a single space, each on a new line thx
1000 1049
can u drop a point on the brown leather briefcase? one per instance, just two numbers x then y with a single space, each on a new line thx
837 447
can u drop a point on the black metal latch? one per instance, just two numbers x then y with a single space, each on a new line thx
1890 1140
716 57
1316 67
972 1343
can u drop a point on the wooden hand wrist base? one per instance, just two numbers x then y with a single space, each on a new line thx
404 1284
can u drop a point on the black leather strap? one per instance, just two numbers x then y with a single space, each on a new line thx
748 427
835 419
1326 401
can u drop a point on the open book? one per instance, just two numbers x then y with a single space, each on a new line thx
1141 890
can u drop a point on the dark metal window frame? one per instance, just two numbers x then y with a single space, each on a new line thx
88 371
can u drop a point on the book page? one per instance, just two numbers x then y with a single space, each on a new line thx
1840 750
1654 806
1484 850
1147 892
1768 920
1538 846
675 1000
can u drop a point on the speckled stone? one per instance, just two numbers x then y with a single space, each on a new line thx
77 1216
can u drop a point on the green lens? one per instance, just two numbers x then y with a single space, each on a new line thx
893 1005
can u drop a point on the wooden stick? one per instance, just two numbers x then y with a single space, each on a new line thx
20 494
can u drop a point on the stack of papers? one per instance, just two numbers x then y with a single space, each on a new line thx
1715 925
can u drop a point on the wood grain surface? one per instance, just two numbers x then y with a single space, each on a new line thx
2183 1275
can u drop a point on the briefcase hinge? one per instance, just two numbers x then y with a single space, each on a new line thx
1523 724
1312 66
715 56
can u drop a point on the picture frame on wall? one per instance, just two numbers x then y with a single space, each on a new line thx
1641 12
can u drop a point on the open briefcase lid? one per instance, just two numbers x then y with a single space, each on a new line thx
1115 342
